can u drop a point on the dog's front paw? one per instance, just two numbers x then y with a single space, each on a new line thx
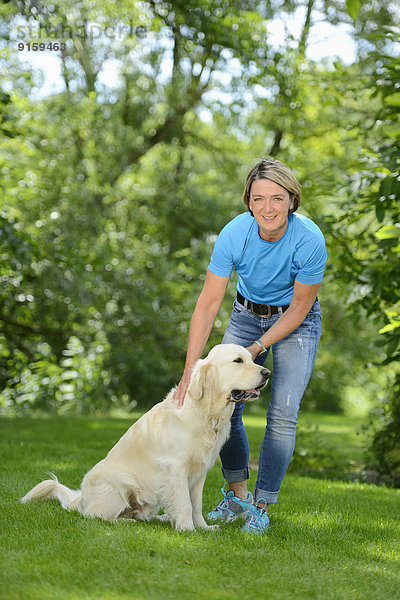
184 526
210 526
200 523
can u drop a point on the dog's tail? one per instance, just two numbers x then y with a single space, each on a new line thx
51 488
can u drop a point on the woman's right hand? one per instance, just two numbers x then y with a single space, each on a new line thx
206 310
182 388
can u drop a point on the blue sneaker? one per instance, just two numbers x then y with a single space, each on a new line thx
231 507
257 519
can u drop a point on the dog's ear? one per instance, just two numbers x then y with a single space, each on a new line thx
203 380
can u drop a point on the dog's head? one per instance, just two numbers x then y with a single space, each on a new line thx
229 374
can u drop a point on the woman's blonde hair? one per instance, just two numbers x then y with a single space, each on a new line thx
275 170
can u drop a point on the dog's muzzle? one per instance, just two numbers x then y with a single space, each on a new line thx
243 395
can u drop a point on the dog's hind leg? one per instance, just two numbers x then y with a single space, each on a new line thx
103 500
146 512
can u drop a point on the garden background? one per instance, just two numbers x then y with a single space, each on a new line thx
113 190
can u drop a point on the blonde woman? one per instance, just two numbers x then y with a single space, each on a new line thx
279 257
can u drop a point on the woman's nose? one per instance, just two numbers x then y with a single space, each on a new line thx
268 206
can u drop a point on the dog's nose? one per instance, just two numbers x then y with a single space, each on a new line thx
265 373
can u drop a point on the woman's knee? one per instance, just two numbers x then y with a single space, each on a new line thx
283 416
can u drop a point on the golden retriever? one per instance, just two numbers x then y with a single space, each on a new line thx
163 459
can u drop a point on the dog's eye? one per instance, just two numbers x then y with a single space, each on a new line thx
238 360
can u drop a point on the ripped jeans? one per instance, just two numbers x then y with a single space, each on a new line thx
293 361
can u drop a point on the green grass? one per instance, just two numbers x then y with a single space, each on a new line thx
328 539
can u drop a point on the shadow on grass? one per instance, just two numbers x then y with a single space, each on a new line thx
327 539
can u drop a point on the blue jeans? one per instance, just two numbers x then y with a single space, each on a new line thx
293 361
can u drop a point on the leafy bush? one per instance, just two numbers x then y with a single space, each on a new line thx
385 446
315 456
367 249
79 381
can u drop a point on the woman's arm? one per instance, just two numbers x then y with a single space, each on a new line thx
302 300
203 318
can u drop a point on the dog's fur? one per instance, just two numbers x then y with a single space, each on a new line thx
163 459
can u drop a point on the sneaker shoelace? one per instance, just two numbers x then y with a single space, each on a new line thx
256 518
224 504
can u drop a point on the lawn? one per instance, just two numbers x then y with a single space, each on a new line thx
328 539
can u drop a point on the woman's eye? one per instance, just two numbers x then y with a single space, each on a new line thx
238 360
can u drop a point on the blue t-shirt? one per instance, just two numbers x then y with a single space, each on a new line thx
267 270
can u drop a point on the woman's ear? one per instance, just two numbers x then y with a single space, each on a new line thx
293 197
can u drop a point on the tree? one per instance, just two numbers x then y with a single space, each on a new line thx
119 193
97 181
368 236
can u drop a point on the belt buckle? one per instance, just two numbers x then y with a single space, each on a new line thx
267 316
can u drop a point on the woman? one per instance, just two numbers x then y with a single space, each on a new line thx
279 257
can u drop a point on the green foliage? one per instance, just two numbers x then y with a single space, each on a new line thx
367 248
346 356
20 267
112 197
385 451
78 382
353 8
117 198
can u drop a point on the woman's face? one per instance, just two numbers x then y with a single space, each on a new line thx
270 204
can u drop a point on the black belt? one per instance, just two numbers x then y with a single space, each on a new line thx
261 310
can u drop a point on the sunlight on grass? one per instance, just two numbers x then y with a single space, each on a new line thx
56 466
338 537
254 421
380 554
338 429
